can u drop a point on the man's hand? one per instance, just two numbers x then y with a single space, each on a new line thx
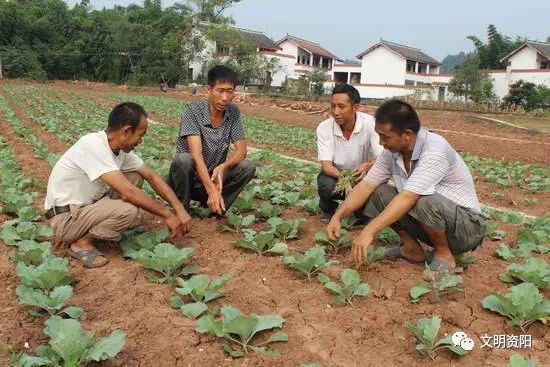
174 225
361 170
215 202
360 246
334 228
186 222
217 177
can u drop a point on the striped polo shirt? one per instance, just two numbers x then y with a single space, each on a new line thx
435 168
348 153
215 140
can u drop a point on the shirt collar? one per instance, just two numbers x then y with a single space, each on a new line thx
337 130
205 107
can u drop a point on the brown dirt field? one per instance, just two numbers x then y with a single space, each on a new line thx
370 333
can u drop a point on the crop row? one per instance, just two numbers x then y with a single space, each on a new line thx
46 283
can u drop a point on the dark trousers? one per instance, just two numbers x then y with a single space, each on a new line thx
328 201
183 179
464 227
325 188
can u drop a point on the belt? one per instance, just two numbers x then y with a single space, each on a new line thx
53 211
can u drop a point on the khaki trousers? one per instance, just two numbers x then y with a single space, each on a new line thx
105 219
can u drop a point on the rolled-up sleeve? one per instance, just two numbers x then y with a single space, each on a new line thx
325 145
381 171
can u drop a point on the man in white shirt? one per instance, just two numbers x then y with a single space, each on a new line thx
346 141
94 189
434 198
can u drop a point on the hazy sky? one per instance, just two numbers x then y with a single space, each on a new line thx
347 27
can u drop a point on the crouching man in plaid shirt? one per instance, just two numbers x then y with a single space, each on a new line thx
433 201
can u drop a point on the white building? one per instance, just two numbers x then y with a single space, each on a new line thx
215 47
302 56
389 69
530 62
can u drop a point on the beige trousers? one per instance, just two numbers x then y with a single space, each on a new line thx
104 220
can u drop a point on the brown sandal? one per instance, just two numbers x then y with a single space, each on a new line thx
87 257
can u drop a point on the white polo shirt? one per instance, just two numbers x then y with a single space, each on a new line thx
344 153
435 168
75 178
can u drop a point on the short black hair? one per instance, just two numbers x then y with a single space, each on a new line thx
126 113
350 90
399 114
221 73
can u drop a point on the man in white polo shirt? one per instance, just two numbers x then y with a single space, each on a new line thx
433 201
346 141
94 189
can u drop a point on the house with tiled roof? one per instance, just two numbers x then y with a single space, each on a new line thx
304 56
217 47
390 69
529 62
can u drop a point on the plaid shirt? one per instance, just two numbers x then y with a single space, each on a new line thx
215 141
435 168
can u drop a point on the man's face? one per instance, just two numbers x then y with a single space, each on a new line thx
392 140
133 138
221 94
342 109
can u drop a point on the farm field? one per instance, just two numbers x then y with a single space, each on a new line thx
40 121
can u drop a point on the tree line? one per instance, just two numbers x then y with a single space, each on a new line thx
47 39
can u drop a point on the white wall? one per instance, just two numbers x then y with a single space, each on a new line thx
525 59
502 81
287 67
382 66
209 50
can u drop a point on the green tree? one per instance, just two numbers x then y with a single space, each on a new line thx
470 81
315 81
495 49
528 95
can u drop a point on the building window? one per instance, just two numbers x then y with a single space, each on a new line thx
545 65
221 49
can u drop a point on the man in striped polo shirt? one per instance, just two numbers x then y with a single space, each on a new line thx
201 169
433 200
345 141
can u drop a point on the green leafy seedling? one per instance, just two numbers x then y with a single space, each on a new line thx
426 331
51 273
343 242
310 205
535 270
438 287
166 259
32 252
71 346
237 222
262 243
285 229
310 263
132 242
522 305
14 231
286 199
350 288
52 302
389 237
239 330
201 289
517 360
266 211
